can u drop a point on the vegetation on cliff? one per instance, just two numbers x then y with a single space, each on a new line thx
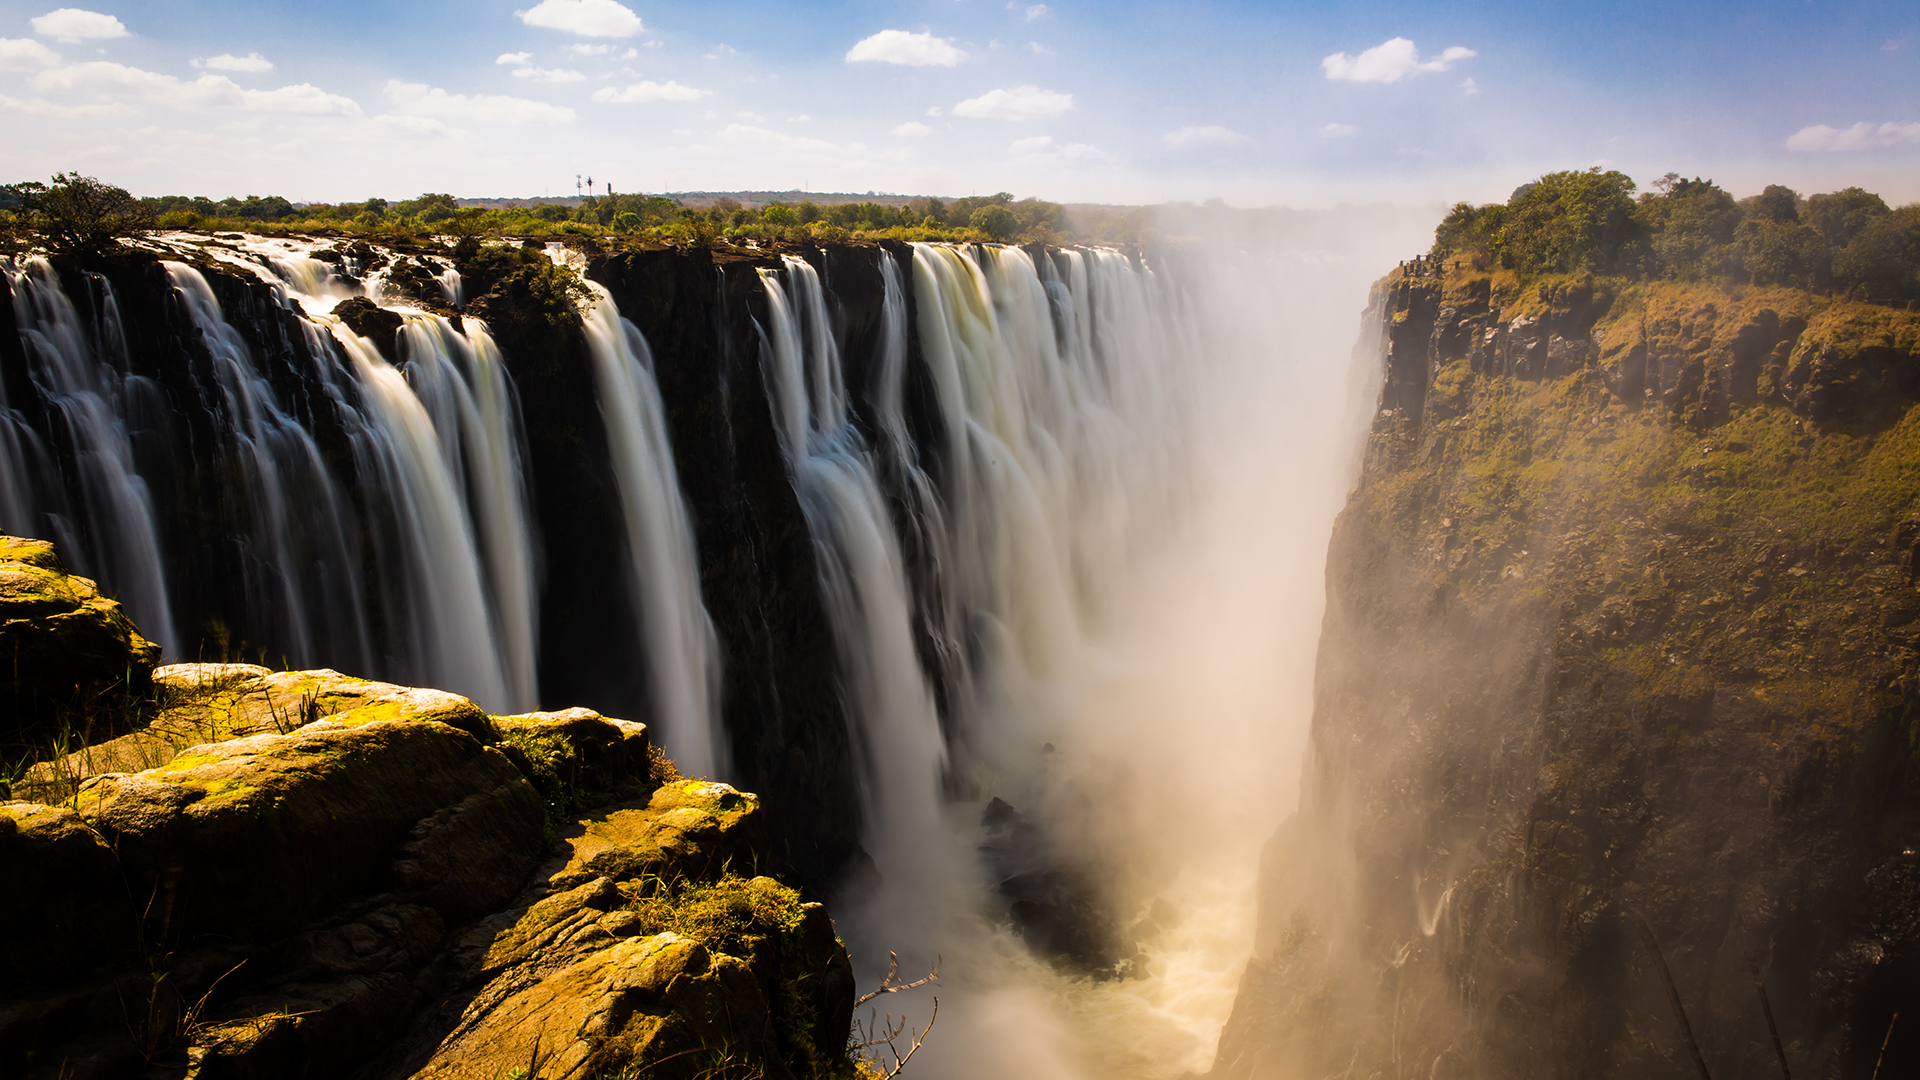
1692 230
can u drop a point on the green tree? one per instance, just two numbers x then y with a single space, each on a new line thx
996 221
1692 224
81 216
1567 222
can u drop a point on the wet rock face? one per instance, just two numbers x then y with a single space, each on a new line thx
66 652
1620 643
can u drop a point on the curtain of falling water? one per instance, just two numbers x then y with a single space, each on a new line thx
105 527
680 647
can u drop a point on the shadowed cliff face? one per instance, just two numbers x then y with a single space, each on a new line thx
1620 671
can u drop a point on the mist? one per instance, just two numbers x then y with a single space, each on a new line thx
1152 754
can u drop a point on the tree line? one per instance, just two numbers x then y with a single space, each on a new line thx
1592 221
81 214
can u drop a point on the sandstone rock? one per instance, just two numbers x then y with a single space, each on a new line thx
63 647
259 836
692 828
204 703
577 750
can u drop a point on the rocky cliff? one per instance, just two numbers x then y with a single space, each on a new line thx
1615 759
301 873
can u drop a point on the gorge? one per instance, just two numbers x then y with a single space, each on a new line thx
996 573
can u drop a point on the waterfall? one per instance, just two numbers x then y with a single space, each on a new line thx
680 648
462 382
901 753
449 626
300 562
104 523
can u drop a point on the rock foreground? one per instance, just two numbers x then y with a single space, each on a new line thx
303 873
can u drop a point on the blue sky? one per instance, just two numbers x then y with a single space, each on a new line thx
1259 104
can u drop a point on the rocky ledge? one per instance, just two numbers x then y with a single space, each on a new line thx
303 873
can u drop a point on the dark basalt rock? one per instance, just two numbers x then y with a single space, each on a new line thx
375 323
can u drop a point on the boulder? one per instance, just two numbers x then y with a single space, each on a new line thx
65 650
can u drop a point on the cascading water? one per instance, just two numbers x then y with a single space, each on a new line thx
679 644
1121 598
901 756
104 519
462 382
300 560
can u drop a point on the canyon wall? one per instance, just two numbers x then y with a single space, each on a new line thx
1615 765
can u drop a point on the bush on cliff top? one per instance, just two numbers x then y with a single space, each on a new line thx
1694 230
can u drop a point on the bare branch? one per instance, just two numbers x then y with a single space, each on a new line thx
888 986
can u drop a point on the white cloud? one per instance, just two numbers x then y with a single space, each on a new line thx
720 51
26 54
936 110
413 125
1019 103
548 75
588 18
589 50
1469 87
642 92
1390 61
901 47
1043 146
515 58
801 119
419 99
41 107
1861 136
913 129
652 45
105 79
1198 138
1036 11
744 133
252 63
74 24
1337 131
1038 49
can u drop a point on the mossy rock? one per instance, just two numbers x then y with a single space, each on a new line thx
68 655
194 704
258 836
689 829
576 754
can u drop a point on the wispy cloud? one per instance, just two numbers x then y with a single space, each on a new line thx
26 54
103 79
1389 62
1043 146
1469 87
76 24
419 99
643 92
1038 49
1861 136
513 58
549 75
588 18
909 49
1019 103
252 63
913 129
1337 131
1037 11
1202 137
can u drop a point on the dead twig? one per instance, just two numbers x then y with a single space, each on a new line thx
888 986
1673 997
1884 1043
1773 1029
